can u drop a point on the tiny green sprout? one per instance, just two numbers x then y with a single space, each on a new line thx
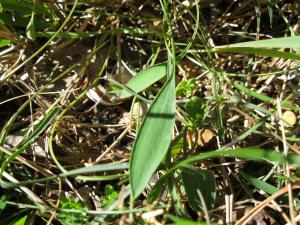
110 195
281 179
176 148
69 218
3 202
30 30
114 89
195 111
186 87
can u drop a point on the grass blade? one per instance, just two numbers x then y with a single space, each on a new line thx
284 42
251 153
96 168
259 51
259 184
252 93
259 47
31 137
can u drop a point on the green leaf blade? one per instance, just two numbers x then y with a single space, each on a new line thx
4 42
145 79
259 184
283 42
153 139
259 51
30 30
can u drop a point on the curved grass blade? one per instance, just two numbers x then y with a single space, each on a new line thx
284 42
30 30
39 128
77 174
259 51
252 93
259 47
144 79
154 138
31 137
251 153
96 168
259 184
262 97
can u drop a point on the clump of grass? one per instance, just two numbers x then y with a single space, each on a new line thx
169 112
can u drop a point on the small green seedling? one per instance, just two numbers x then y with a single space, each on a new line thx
186 87
195 111
110 195
69 218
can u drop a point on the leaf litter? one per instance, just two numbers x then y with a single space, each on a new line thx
237 88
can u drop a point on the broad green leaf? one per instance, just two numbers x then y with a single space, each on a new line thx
154 137
30 30
69 218
145 79
177 146
258 47
199 182
284 42
270 10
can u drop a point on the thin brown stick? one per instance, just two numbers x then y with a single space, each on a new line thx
112 146
246 218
